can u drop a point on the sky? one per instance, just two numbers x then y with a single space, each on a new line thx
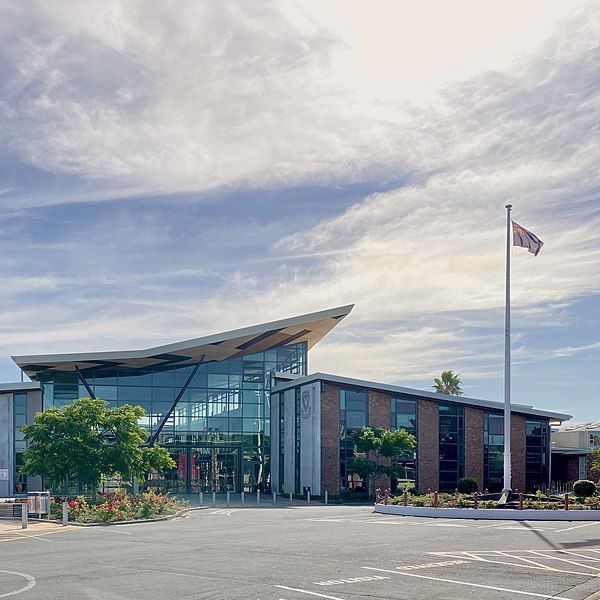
174 169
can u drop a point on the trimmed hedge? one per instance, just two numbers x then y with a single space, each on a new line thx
584 488
467 485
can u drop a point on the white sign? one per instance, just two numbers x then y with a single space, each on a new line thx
3 474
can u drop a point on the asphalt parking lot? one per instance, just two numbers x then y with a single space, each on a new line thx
303 552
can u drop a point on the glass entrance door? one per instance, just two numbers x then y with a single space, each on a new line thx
214 470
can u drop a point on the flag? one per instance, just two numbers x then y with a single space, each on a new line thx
526 239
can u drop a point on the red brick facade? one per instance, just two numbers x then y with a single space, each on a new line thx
428 446
330 438
517 450
474 454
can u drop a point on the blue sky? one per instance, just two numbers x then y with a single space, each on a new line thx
167 175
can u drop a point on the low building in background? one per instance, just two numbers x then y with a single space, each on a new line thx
571 449
239 412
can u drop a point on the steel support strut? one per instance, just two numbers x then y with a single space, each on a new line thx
175 402
85 383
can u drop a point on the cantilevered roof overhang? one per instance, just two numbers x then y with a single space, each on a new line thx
309 328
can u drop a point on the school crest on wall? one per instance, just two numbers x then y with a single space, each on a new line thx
306 405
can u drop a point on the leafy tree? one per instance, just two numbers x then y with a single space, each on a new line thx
448 383
381 447
86 440
596 461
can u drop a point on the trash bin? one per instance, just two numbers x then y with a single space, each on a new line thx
38 503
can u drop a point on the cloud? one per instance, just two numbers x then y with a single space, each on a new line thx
571 350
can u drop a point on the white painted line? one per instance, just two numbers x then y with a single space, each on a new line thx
352 580
108 529
532 562
580 555
477 585
576 527
30 583
527 529
572 562
489 526
284 587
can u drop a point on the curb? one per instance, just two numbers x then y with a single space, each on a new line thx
179 513
494 514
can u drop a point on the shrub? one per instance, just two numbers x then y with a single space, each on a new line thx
467 485
584 488
495 485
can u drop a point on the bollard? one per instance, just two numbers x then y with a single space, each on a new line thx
65 514
228 498
24 515
566 501
521 501
214 500
201 498
475 500
291 501
274 498
243 499
377 496
326 497
405 498
307 496
435 500
386 496
257 497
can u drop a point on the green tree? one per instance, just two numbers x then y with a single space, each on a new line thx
448 383
381 447
595 461
86 440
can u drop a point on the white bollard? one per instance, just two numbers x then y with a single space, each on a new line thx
243 499
291 499
274 498
326 497
228 498
201 498
24 515
308 497
65 514
257 497
214 500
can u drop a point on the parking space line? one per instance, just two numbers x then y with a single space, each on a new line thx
577 527
572 562
527 560
284 587
580 555
469 584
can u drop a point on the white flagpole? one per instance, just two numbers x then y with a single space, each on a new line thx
507 482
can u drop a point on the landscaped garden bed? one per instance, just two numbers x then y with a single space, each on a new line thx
116 506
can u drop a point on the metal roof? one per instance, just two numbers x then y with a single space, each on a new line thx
591 426
20 386
308 328
396 389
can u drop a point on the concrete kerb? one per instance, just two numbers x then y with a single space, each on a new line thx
491 514
175 515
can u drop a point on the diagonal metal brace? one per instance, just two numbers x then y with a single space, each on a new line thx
85 383
175 402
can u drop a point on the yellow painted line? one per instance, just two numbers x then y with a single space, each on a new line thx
447 563
572 562
23 536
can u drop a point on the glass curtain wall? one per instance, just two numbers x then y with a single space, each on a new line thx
404 416
353 417
493 450
219 432
452 446
537 457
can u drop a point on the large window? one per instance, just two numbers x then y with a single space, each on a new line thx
537 454
353 417
404 416
493 449
226 402
452 446
19 419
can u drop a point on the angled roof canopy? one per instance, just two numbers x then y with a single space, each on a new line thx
308 328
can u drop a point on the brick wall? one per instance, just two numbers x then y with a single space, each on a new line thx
428 446
380 416
330 439
474 444
518 449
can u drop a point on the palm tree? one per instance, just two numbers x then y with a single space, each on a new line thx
448 383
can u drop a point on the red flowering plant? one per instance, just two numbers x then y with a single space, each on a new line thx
118 506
